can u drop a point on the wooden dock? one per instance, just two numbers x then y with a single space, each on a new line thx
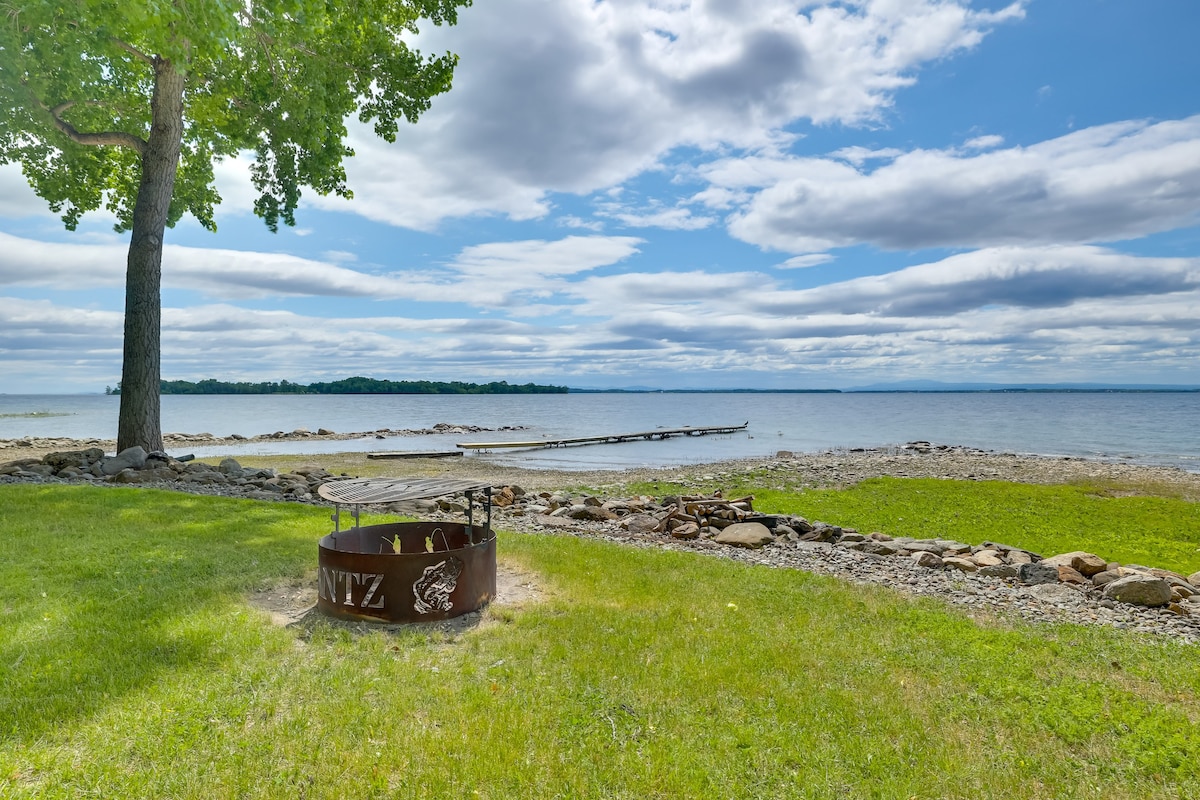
610 439
409 454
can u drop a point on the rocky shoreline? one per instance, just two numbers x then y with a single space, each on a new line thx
991 580
31 447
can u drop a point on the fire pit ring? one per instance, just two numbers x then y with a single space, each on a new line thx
405 571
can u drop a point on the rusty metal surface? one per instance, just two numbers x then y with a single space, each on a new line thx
442 570
360 491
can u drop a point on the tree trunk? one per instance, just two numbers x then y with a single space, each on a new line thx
139 422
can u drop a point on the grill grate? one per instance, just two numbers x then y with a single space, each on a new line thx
393 490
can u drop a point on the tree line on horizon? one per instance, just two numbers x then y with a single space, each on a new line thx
355 385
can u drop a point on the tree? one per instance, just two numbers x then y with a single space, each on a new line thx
126 105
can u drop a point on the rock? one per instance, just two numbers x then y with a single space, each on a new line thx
1056 593
129 458
588 513
1106 577
688 530
1019 557
207 476
1036 574
961 564
924 558
1087 564
1194 579
987 558
81 459
1140 590
999 570
822 533
230 467
416 507
1068 575
921 546
879 548
324 432
640 523
1173 578
745 534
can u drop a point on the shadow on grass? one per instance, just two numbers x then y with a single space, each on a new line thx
104 591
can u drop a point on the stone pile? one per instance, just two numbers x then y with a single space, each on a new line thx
1075 587
135 466
735 523
177 440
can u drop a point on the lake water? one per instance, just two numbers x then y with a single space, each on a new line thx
1150 428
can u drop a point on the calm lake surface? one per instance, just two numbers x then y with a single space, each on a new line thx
1150 428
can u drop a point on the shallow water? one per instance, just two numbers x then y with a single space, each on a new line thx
1151 428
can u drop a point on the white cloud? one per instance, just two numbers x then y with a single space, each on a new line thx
17 200
578 96
1047 312
677 219
1106 183
487 274
860 155
810 260
988 142
535 260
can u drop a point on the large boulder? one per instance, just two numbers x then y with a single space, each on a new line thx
1037 574
230 468
924 558
1068 575
129 458
1087 564
81 459
589 513
745 534
1140 590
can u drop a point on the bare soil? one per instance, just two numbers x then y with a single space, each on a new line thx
294 605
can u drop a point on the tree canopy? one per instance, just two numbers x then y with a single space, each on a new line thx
126 105
274 79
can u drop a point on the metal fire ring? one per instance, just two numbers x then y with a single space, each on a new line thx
405 571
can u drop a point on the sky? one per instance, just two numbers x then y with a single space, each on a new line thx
698 194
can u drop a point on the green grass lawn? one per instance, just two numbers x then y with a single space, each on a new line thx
131 665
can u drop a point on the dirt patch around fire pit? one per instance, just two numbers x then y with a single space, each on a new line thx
294 605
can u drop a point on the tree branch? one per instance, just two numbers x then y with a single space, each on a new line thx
127 47
113 138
